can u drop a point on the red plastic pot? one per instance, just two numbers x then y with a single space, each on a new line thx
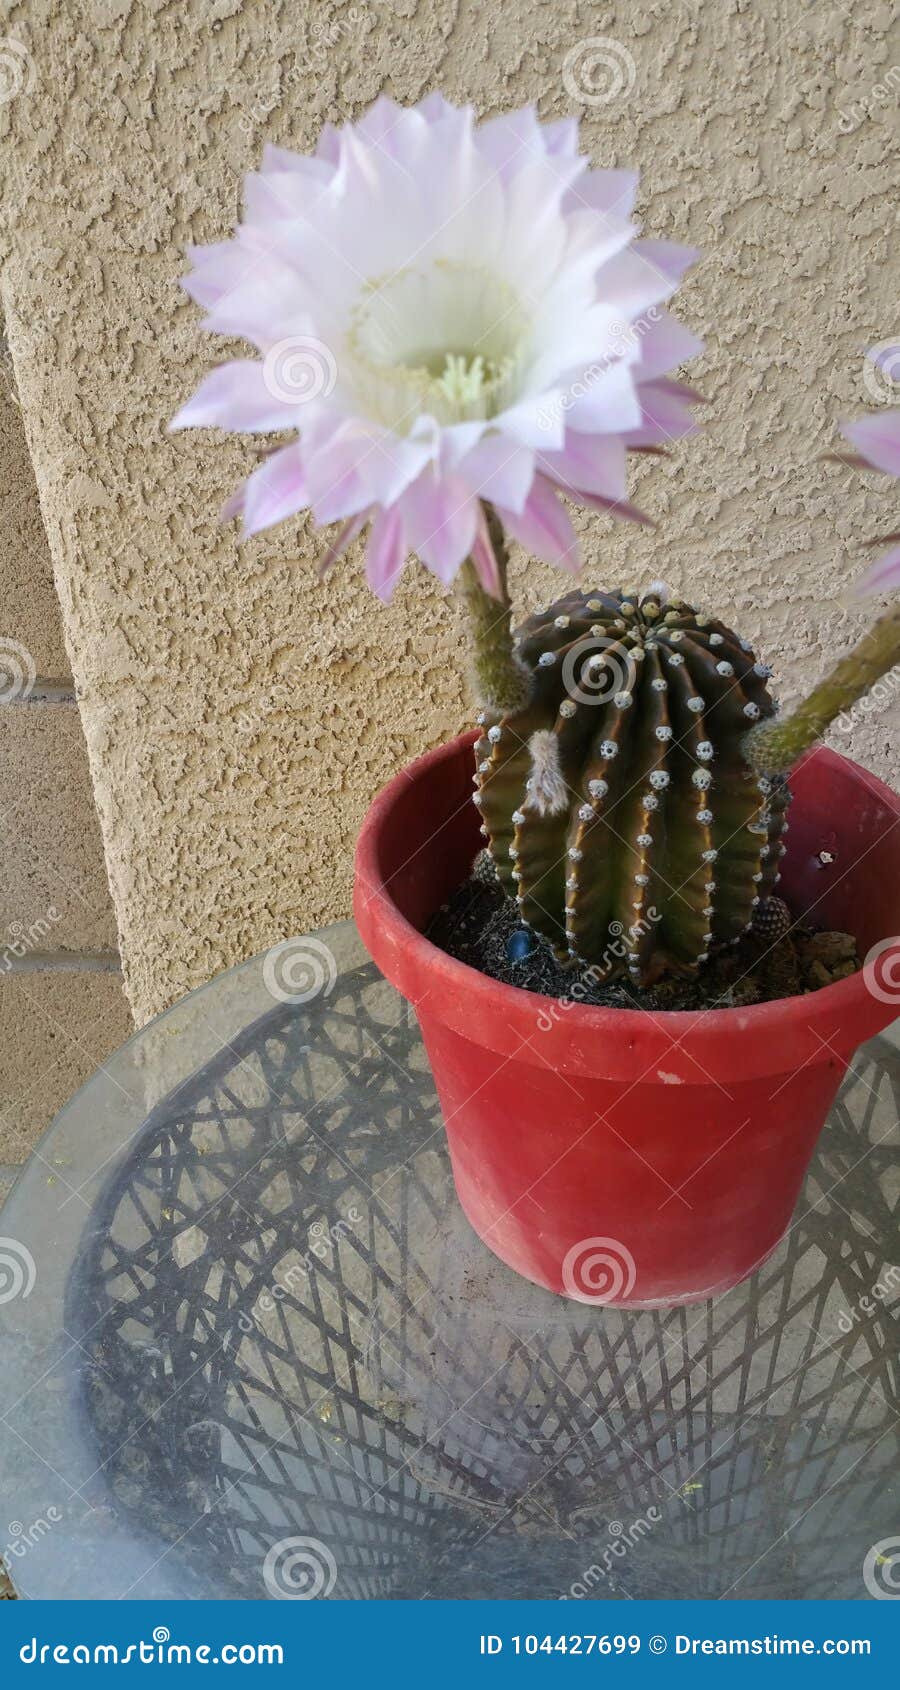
618 1156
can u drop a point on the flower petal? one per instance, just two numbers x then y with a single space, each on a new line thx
616 507
388 465
883 577
234 504
334 476
485 559
386 553
544 527
505 241
276 490
499 470
537 421
604 401
664 416
273 195
235 396
345 538
561 137
646 274
664 344
265 304
611 192
877 439
591 463
440 515
508 142
214 269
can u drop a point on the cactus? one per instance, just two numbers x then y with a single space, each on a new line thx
617 802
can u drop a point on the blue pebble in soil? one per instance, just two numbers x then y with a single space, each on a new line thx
519 945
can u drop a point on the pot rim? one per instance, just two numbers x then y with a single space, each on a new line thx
392 938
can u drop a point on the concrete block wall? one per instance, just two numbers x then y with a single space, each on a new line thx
62 1008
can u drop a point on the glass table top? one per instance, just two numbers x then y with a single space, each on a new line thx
250 1346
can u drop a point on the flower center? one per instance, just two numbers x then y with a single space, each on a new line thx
448 341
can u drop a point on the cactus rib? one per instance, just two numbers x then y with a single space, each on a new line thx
617 802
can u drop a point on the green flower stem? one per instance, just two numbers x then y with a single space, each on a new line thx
774 746
500 683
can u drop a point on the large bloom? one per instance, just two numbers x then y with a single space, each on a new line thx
446 313
876 438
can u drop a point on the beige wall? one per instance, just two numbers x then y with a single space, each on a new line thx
229 811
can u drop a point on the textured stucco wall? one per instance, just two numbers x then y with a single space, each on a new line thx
238 716
62 1008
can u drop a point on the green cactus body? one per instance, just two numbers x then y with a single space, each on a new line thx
617 804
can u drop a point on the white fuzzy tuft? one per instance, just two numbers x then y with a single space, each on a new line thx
659 591
547 791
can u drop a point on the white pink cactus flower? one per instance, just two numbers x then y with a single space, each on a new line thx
876 440
446 312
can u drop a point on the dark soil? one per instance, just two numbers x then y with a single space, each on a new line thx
478 922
